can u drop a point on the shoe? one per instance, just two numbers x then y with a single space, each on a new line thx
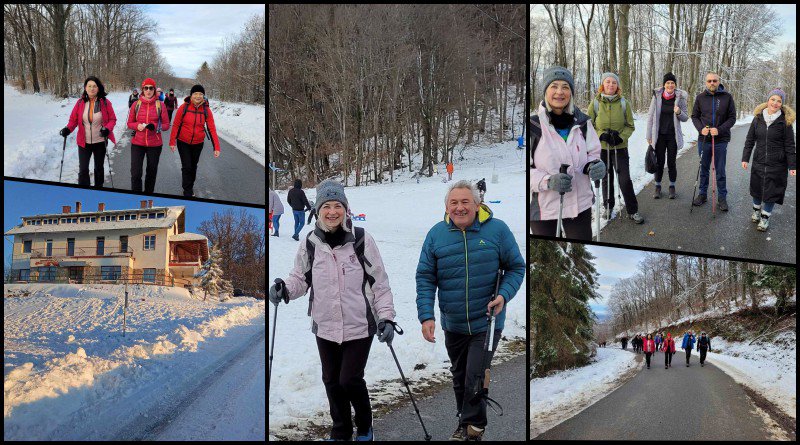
275 235
756 216
701 365
295 237
723 204
665 366
672 192
474 434
687 365
366 437
657 194
763 225
700 200
459 435
637 218
605 213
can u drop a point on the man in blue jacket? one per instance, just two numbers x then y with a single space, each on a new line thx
460 259
688 345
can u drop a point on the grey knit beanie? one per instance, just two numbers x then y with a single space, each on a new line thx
778 92
558 73
330 190
612 75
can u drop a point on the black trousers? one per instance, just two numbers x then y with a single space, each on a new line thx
619 162
666 150
668 358
579 228
466 356
688 355
703 352
97 150
190 156
138 153
647 357
169 113
343 375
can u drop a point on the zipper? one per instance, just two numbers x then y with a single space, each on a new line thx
191 139
466 267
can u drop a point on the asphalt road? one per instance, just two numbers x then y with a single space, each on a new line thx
438 411
729 233
233 176
679 403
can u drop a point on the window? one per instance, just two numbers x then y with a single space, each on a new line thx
160 215
151 215
81 219
38 222
110 272
149 242
47 221
102 218
47 273
149 275
26 246
49 248
93 219
123 243
70 246
101 241
112 218
64 220
24 274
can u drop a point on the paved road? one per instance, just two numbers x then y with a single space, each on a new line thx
729 234
679 403
438 412
233 176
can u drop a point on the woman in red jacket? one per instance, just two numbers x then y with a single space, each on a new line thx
148 117
190 122
649 347
669 350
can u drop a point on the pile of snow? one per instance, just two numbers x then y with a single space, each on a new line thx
560 396
69 373
243 125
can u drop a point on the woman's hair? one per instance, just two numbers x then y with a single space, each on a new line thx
101 90
619 90
346 224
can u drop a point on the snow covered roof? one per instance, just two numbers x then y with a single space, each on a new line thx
171 214
187 236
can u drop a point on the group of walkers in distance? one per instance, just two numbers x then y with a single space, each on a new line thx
571 149
469 253
648 344
149 114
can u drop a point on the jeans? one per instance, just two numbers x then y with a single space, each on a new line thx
299 221
97 150
720 152
276 224
767 206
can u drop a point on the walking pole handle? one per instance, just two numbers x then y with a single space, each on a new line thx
563 169
280 285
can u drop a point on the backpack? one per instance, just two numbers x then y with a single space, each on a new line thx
621 101
205 119
158 112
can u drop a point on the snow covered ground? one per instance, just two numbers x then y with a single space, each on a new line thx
32 147
69 373
562 395
398 216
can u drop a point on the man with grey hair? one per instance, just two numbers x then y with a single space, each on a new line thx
460 259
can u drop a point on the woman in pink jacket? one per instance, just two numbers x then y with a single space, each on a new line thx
343 268
148 118
94 116
649 347
562 135
669 350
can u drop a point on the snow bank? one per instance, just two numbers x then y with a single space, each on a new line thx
243 125
560 396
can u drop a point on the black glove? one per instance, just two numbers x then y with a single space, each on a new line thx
64 132
385 331
616 139
605 137
311 214
150 127
104 132
277 292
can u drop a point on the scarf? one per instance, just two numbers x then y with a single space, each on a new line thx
667 96
770 118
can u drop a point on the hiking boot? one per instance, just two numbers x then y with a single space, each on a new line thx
368 437
763 225
672 192
756 216
295 237
702 365
657 193
700 200
637 218
474 433
723 204
459 435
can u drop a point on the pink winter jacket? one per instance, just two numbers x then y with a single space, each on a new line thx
148 113
109 119
550 153
649 346
340 295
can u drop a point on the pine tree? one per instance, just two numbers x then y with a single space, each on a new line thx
211 274
226 290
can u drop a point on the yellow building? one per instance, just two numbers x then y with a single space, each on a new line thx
144 245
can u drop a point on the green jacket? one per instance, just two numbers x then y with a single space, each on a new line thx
609 117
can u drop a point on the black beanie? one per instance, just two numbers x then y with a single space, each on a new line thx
197 88
668 77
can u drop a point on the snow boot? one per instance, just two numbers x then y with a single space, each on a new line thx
637 218
700 200
763 225
756 216
295 237
657 194
369 437
723 204
474 434
459 435
672 192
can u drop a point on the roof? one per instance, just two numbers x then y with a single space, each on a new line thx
187 236
172 215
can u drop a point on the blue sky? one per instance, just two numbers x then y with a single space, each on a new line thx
612 264
188 35
25 199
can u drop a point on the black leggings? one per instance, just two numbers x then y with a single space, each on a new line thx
647 357
703 352
579 228
343 375
620 163
688 355
138 154
190 156
668 358
666 145
97 150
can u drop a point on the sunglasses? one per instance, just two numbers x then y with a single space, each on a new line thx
148 88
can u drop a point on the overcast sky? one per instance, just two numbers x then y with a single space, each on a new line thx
612 264
188 35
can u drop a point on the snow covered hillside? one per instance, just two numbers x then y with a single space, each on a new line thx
69 373
398 216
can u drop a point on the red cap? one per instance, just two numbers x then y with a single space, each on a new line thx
149 81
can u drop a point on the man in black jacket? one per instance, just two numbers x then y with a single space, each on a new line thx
703 345
713 115
299 203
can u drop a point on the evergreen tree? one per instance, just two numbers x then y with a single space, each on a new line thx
226 290
211 274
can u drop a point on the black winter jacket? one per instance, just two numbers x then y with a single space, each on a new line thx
297 199
715 110
774 154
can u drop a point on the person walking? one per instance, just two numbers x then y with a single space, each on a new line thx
624 341
668 108
93 115
669 350
148 118
276 210
343 282
688 345
450 169
703 345
649 348
565 154
299 203
613 119
133 97
459 262
772 136
657 341
160 94
171 102
713 115
193 120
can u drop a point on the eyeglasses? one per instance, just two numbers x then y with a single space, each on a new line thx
712 81
148 88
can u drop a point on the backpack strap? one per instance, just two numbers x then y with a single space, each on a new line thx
535 132
622 102
310 249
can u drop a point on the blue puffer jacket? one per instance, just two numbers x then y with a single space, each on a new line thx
688 341
463 266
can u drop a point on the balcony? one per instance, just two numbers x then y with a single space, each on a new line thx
109 250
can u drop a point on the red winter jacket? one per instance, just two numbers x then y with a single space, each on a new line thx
649 346
109 120
669 345
191 127
148 114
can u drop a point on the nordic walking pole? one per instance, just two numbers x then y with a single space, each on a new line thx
597 210
110 175
559 226
619 186
482 388
697 178
279 286
63 150
714 184
399 331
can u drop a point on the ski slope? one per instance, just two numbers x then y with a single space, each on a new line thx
398 216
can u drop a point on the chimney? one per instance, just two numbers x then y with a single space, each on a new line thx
143 204
101 207
150 204
66 209
77 207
